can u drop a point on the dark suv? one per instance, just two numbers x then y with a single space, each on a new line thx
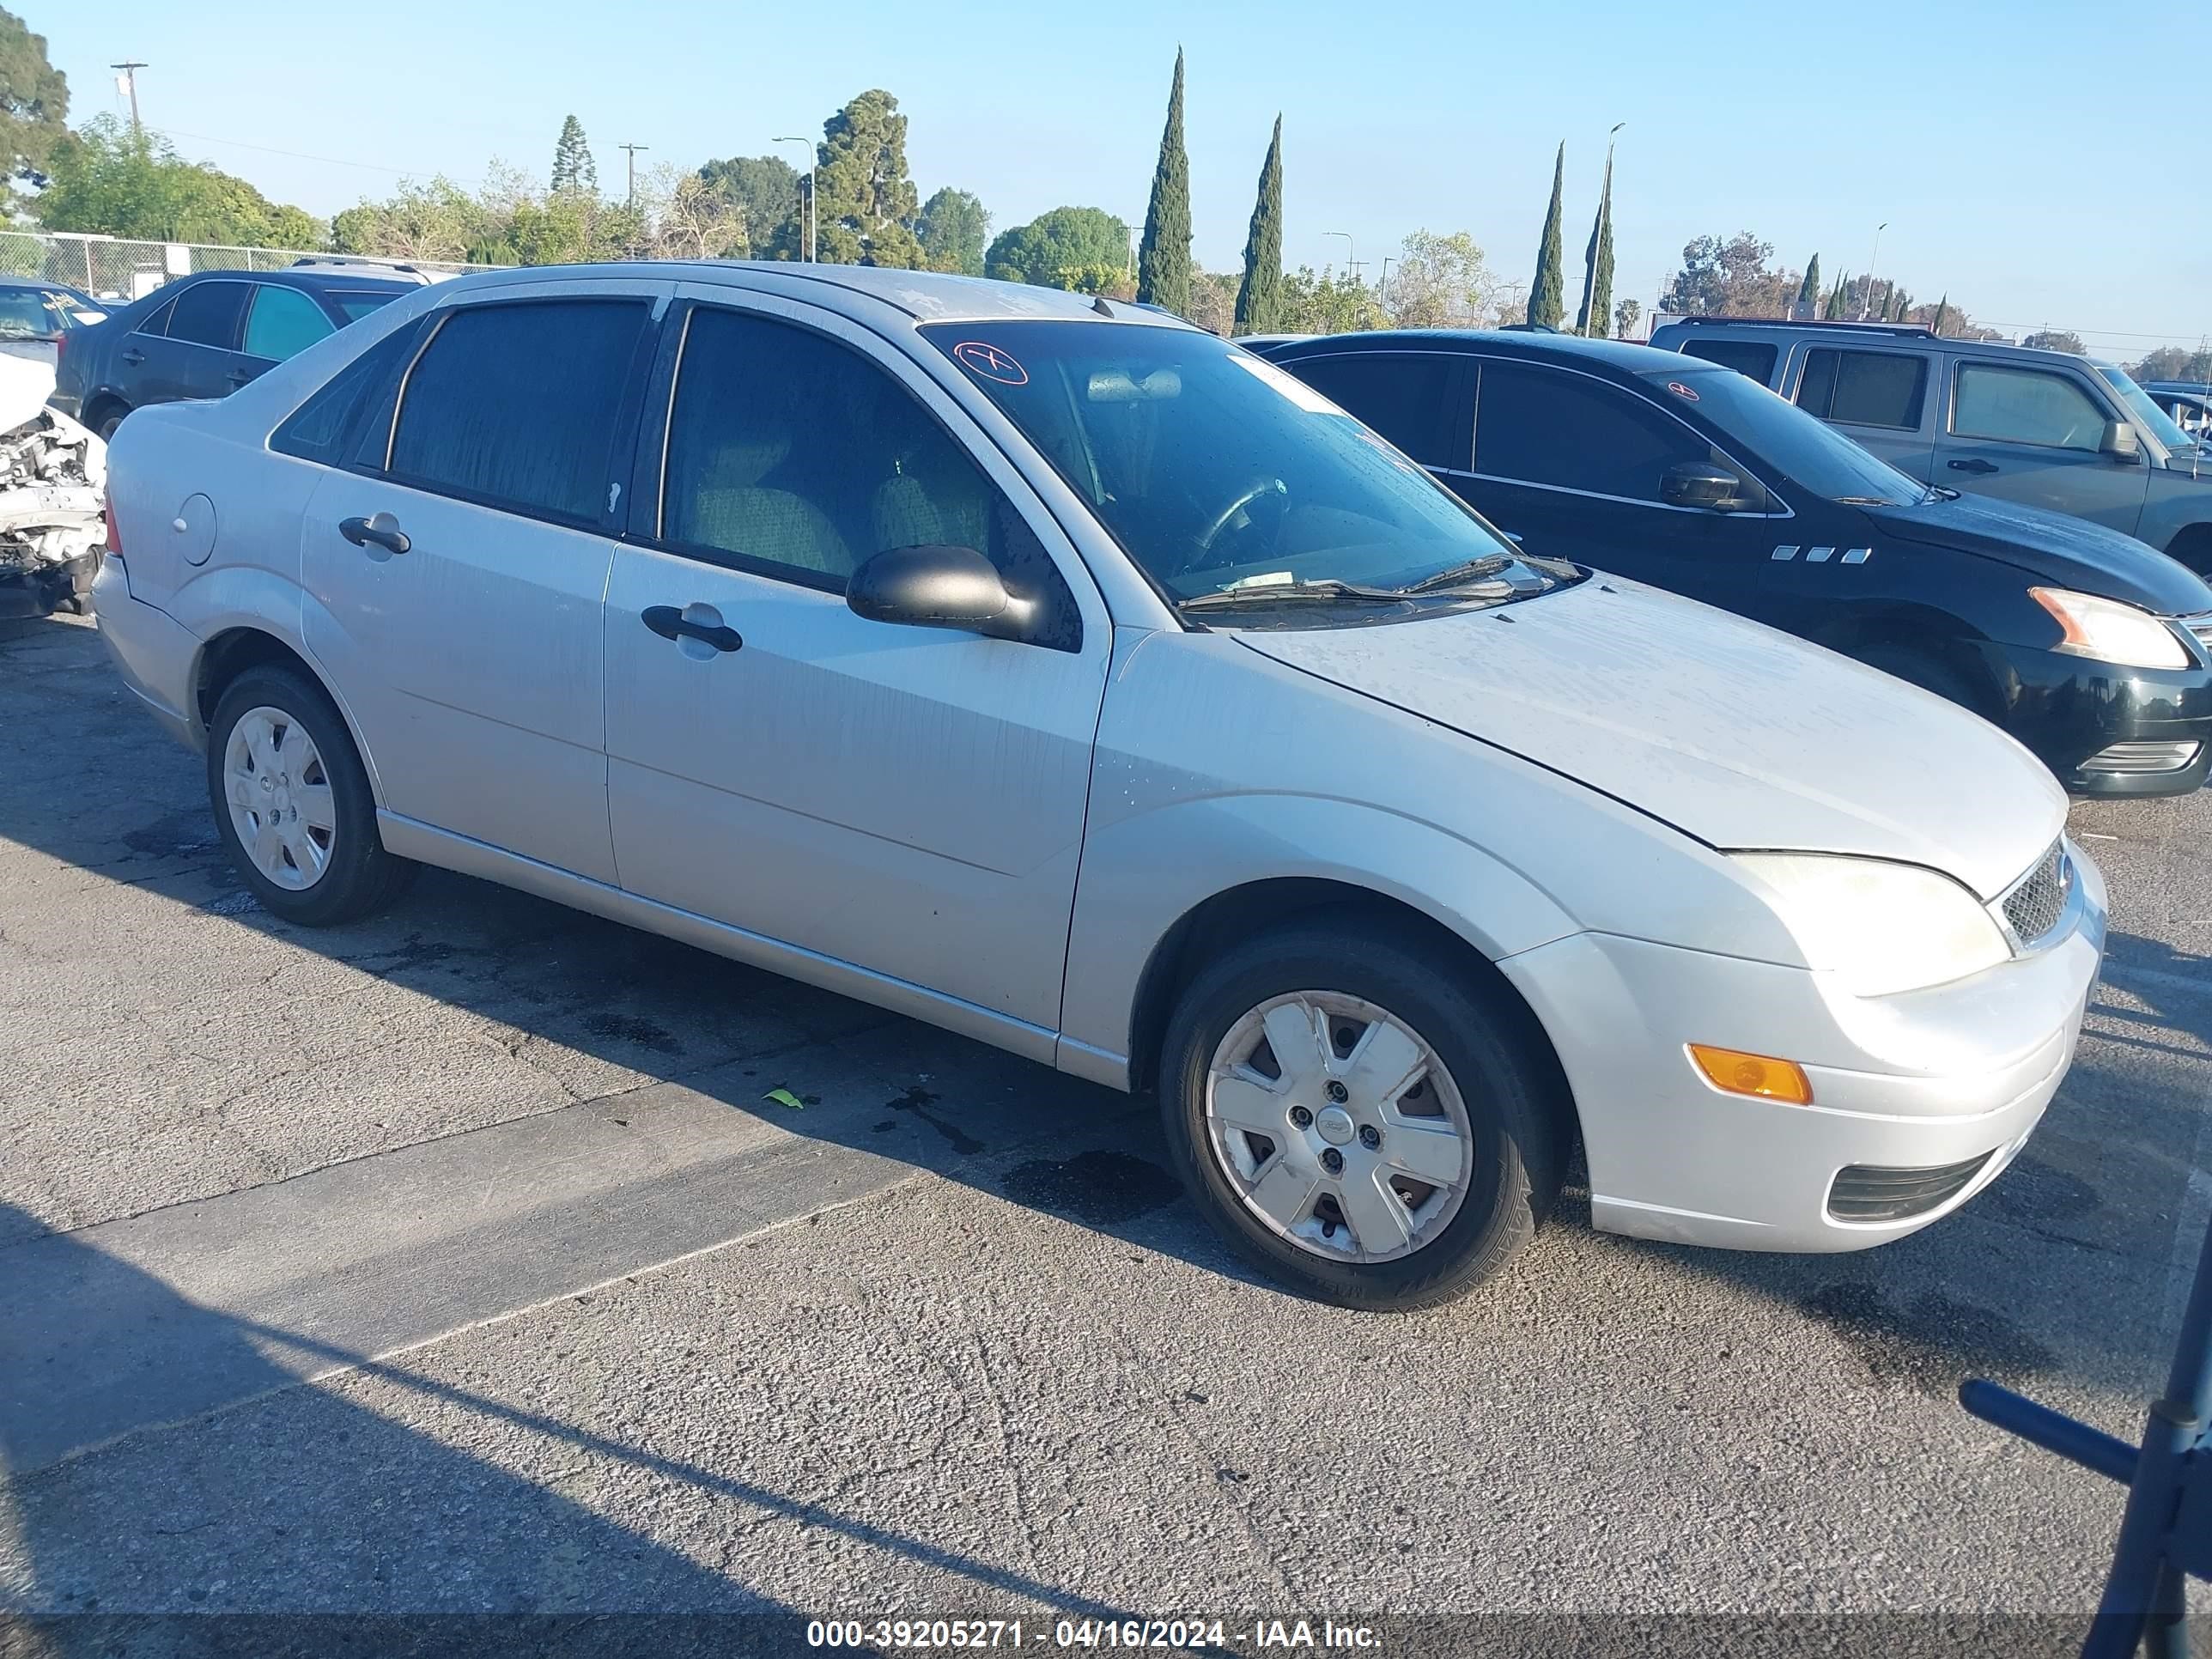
205 337
2088 646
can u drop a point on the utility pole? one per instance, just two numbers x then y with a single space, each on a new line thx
633 148
130 85
811 226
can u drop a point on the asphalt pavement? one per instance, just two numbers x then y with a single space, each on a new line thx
457 1264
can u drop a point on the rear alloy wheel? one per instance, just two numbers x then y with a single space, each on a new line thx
292 805
1359 1114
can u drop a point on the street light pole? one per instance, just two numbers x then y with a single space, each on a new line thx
1866 306
633 149
130 85
1350 267
813 226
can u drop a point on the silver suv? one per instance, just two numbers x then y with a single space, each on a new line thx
2047 429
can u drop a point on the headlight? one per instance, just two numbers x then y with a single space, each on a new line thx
2107 630
1880 926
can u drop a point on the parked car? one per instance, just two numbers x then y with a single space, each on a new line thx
34 315
1050 670
206 336
2088 646
2188 403
2043 428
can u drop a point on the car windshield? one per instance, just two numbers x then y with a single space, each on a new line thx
354 303
1219 474
1808 450
2145 409
26 314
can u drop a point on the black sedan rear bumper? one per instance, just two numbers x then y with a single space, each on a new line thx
2106 731
43 589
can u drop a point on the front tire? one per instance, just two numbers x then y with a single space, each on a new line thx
292 805
1359 1115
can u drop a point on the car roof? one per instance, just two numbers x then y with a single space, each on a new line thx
926 295
1899 334
313 280
1623 356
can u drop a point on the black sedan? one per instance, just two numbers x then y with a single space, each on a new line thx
2091 649
205 335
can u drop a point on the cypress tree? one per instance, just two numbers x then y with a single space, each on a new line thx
573 169
1260 300
1809 291
1547 299
1597 265
1942 305
1833 311
1164 256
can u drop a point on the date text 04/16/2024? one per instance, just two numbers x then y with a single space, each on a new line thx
1186 1635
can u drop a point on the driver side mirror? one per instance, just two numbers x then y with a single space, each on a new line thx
936 587
1699 484
2121 440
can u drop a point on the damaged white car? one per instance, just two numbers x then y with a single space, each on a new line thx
53 475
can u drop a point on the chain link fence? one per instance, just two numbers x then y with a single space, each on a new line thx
111 268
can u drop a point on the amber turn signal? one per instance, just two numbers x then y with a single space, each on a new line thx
1758 1075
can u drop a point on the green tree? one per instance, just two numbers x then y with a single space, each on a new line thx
2057 339
574 172
953 230
1163 256
1057 249
1833 311
433 219
1547 294
1624 318
2174 363
1260 295
1943 314
1730 279
1327 304
763 191
1597 263
105 179
33 104
1441 283
865 205
1809 291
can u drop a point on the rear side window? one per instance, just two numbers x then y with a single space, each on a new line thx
519 405
283 323
1864 388
2026 406
1544 426
1752 357
321 429
209 313
1403 395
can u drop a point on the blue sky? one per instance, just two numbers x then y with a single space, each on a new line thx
2008 147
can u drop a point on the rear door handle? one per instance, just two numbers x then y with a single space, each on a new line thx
134 357
382 531
672 623
1975 464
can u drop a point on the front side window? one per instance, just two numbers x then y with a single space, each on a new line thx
794 455
2025 406
518 405
1211 468
282 322
26 314
1864 388
1403 395
1790 445
1544 426
1752 357
209 313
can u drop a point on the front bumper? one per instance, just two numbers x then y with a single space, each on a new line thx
39 590
1908 1083
2070 711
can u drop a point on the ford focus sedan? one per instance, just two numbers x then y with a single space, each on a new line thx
1048 670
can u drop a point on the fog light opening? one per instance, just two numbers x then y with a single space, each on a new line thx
1761 1077
2142 757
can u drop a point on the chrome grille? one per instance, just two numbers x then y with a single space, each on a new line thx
2200 629
2038 899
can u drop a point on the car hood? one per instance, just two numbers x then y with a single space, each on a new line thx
1740 735
2064 551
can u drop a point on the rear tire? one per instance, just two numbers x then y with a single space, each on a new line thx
1378 1001
283 776
108 424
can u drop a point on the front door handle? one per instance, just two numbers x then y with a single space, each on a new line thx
672 623
1975 464
134 357
382 531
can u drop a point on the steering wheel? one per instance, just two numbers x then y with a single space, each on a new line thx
1263 489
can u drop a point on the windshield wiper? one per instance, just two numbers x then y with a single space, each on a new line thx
1256 595
1489 565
